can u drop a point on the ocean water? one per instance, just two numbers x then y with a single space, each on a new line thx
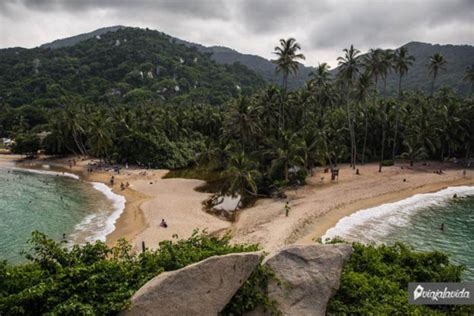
53 203
417 221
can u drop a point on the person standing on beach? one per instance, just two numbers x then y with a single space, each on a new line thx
287 209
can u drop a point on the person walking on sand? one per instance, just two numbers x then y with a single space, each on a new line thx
287 209
112 178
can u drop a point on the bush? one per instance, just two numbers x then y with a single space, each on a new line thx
375 280
387 163
95 279
26 144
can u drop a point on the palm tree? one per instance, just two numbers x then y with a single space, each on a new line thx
437 63
73 120
241 174
320 84
469 76
100 134
242 121
288 55
386 60
373 62
363 90
349 66
401 63
321 76
287 64
378 63
288 151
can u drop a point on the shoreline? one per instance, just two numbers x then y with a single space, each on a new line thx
116 199
329 220
315 207
144 206
321 203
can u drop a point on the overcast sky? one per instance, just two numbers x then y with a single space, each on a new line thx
323 27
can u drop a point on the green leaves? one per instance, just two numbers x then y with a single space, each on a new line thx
375 280
94 279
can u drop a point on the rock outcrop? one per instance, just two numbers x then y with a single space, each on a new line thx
203 288
309 276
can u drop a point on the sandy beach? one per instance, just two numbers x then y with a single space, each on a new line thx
315 207
320 204
149 198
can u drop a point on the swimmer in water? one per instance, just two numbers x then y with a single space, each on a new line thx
441 227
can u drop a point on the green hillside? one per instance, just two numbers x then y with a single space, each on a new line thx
418 76
123 66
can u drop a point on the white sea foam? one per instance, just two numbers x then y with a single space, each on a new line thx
46 172
101 223
98 224
372 223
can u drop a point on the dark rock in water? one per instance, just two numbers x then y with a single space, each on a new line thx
203 288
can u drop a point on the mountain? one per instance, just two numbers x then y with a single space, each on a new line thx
125 65
220 54
459 57
262 66
70 41
418 78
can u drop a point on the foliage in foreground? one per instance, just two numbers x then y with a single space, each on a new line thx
375 281
97 280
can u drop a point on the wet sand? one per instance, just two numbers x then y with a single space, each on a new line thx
315 207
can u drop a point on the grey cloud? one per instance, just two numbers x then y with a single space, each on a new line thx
251 26
388 23
217 9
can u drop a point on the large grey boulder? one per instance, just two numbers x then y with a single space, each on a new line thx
203 288
309 276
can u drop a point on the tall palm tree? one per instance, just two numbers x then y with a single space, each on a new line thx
437 63
387 64
321 76
374 64
320 83
73 120
349 66
287 63
401 63
363 90
378 63
469 76
100 134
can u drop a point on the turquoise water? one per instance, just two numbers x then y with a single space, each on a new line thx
417 221
51 203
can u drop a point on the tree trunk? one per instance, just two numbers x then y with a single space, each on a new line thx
397 117
400 87
349 124
383 137
383 148
432 83
286 171
365 133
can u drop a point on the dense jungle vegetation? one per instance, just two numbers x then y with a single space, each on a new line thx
261 142
118 67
